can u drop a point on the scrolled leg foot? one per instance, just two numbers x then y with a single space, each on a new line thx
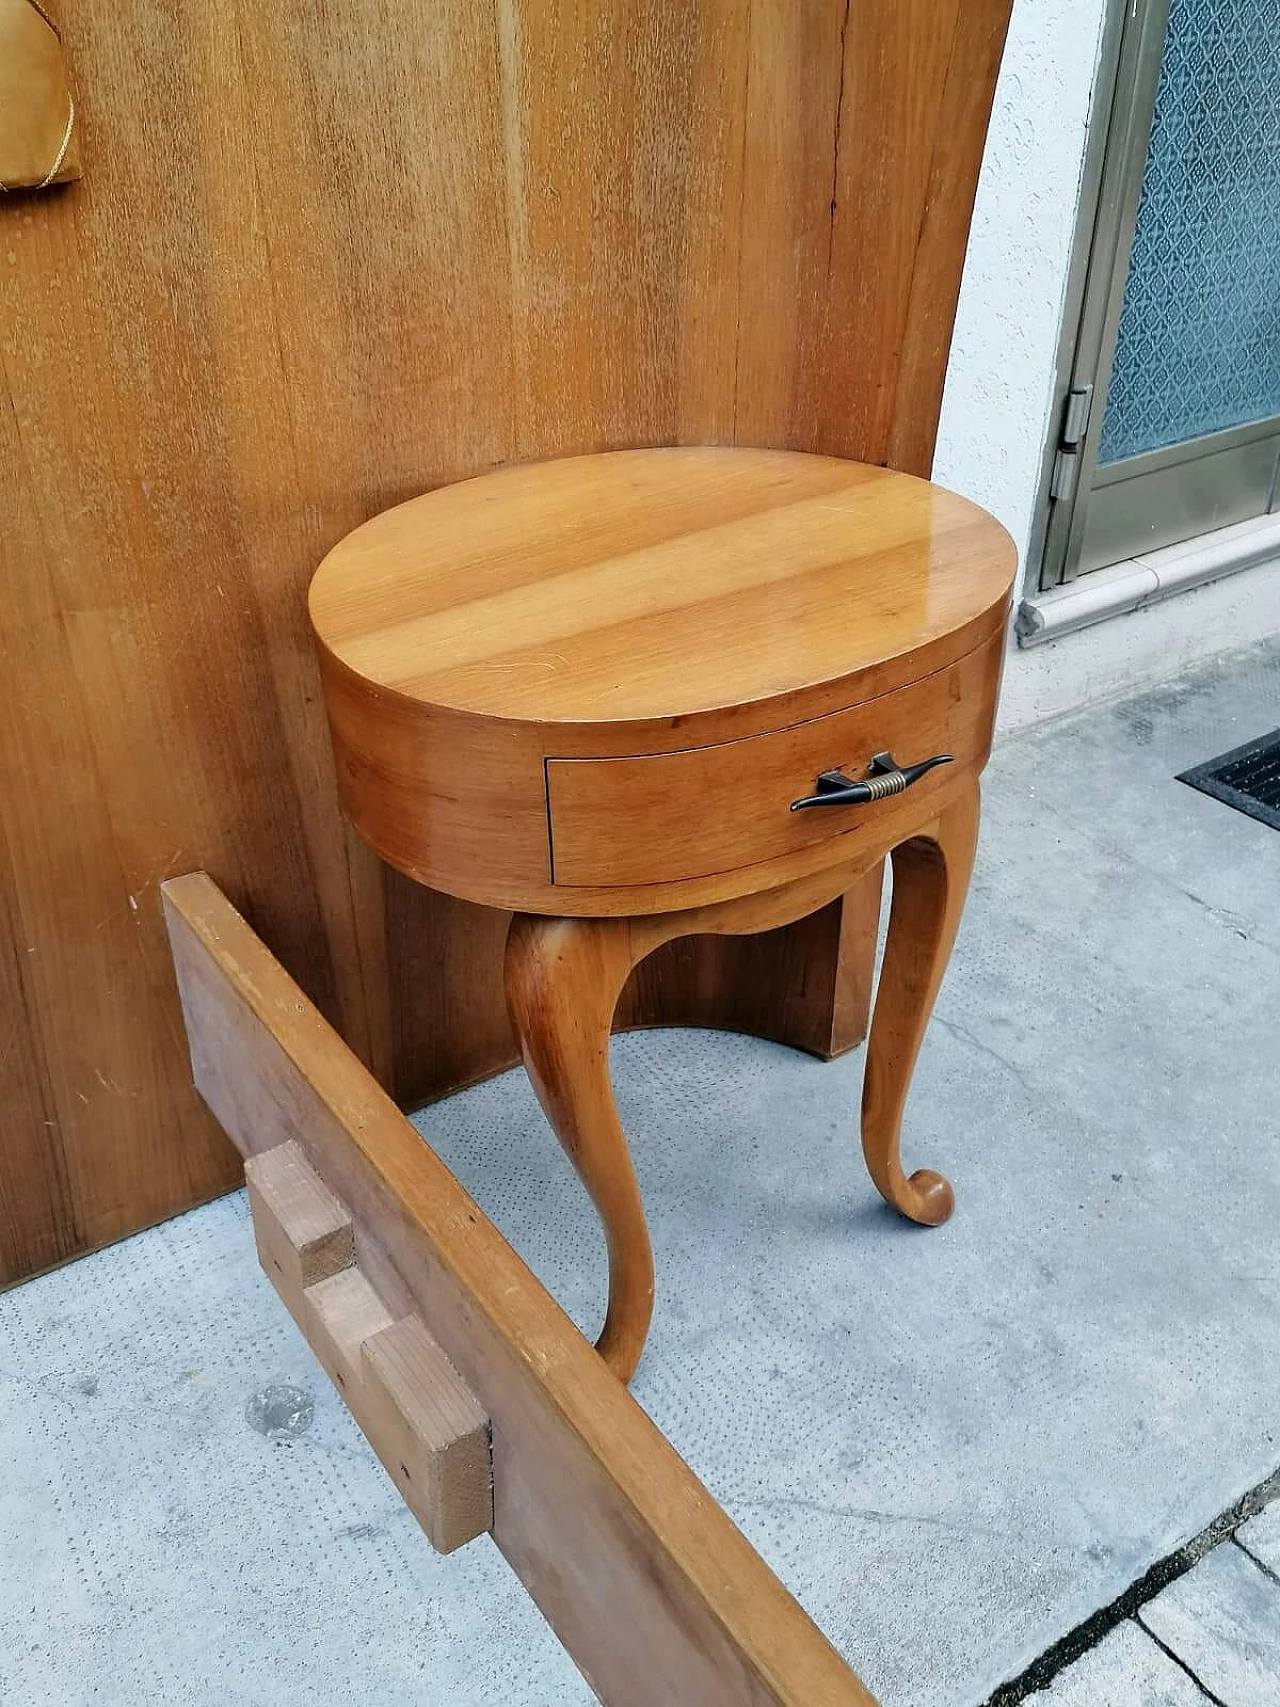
925 1197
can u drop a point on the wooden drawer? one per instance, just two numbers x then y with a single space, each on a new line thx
664 817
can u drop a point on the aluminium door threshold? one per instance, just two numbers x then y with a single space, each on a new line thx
1145 580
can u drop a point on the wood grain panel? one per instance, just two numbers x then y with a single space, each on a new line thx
37 1213
897 62
623 128
321 259
795 112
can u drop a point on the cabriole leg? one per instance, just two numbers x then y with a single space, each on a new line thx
563 979
930 881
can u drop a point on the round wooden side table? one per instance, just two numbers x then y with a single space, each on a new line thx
648 694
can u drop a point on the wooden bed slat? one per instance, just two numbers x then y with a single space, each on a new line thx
646 1582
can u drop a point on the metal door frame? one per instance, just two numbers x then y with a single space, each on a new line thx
1242 461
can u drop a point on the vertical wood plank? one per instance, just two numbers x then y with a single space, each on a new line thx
895 67
793 111
965 106
121 1130
37 1213
386 269
622 129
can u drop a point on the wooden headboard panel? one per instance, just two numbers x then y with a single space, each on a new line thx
322 258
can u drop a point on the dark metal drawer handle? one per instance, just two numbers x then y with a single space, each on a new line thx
836 789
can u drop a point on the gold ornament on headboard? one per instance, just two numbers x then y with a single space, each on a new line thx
37 111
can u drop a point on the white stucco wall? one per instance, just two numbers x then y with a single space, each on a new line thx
995 413
1000 381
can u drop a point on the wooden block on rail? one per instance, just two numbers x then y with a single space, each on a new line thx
338 1315
430 1432
302 1232
423 1423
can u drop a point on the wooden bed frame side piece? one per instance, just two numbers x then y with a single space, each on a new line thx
649 1586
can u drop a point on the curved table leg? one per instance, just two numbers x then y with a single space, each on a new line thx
563 979
930 881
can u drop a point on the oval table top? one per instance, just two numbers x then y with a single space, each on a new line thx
659 584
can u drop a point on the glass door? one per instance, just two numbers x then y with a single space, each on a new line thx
1171 425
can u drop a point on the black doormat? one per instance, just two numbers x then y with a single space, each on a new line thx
1247 778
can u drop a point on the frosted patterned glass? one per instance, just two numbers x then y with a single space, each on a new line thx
1199 340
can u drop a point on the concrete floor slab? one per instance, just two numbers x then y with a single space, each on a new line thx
1074 767
953 1445
1126 1669
156 1551
1222 1620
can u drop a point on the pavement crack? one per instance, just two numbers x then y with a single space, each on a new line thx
872 1514
963 1032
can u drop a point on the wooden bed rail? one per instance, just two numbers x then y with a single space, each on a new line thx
652 1590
